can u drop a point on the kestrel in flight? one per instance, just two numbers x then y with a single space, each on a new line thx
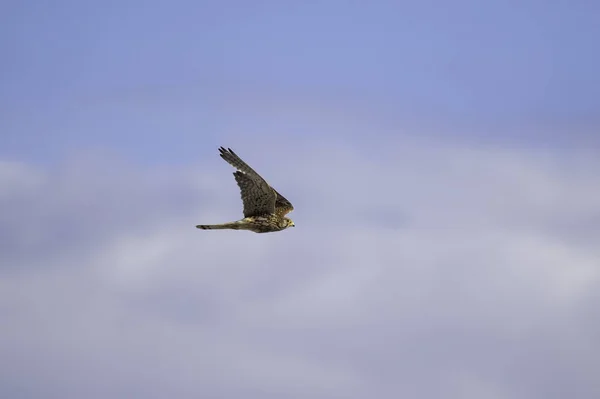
264 207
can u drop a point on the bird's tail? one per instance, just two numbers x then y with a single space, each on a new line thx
230 225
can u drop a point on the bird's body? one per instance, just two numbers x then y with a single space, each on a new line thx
257 224
264 207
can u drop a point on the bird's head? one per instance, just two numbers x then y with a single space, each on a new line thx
289 222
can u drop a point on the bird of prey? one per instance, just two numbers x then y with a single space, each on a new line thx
264 207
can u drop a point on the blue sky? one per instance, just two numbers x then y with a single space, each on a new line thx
442 158
501 70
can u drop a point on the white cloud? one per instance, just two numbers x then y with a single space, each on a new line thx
417 271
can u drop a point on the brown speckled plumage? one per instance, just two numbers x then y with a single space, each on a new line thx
264 207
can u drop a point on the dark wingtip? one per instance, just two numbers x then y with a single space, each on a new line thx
224 151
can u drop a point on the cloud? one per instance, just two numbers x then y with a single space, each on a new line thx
427 269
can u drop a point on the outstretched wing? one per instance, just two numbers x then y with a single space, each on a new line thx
256 187
258 198
282 205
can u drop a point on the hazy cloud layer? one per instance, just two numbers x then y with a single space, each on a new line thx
421 271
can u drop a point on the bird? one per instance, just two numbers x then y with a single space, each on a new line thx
264 208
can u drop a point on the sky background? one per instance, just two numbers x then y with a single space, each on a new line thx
442 157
